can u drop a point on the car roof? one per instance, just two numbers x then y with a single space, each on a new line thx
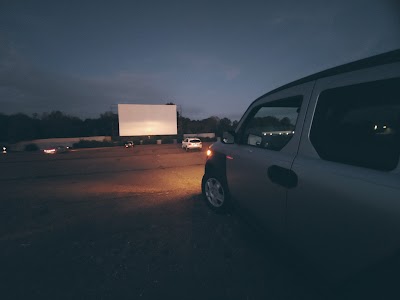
376 60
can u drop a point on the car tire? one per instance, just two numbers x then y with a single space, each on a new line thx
215 193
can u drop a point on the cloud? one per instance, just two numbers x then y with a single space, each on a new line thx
27 88
201 63
232 73
193 111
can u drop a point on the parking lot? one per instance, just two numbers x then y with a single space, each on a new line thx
118 223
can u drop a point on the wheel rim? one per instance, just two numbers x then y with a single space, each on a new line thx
214 192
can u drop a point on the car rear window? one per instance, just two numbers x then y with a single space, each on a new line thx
359 125
195 141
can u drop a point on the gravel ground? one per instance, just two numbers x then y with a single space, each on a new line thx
131 224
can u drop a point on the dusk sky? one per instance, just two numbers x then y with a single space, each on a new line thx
208 57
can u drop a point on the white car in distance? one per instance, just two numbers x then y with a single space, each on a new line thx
191 143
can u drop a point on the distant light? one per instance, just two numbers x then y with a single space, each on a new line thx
209 153
270 134
384 126
375 127
50 151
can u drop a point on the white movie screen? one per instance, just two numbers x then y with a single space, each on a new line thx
145 119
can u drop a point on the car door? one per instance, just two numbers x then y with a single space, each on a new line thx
345 212
258 163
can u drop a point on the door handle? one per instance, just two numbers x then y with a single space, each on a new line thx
282 176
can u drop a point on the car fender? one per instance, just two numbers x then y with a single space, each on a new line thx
216 164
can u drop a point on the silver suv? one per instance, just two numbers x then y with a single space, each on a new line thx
316 162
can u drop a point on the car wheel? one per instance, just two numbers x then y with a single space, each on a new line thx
215 193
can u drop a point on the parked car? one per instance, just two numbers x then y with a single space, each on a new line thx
129 144
316 162
192 143
56 150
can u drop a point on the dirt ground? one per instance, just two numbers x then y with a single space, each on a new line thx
120 223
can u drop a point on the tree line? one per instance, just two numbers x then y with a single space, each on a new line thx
56 124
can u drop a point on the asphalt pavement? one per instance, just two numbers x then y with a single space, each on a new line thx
118 223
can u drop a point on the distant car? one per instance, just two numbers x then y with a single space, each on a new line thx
56 150
192 143
129 144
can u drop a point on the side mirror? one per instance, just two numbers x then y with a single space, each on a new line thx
228 137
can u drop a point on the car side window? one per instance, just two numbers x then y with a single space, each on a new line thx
359 125
271 125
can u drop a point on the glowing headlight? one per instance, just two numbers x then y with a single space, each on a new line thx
50 151
209 153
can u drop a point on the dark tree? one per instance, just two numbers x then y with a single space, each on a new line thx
56 124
